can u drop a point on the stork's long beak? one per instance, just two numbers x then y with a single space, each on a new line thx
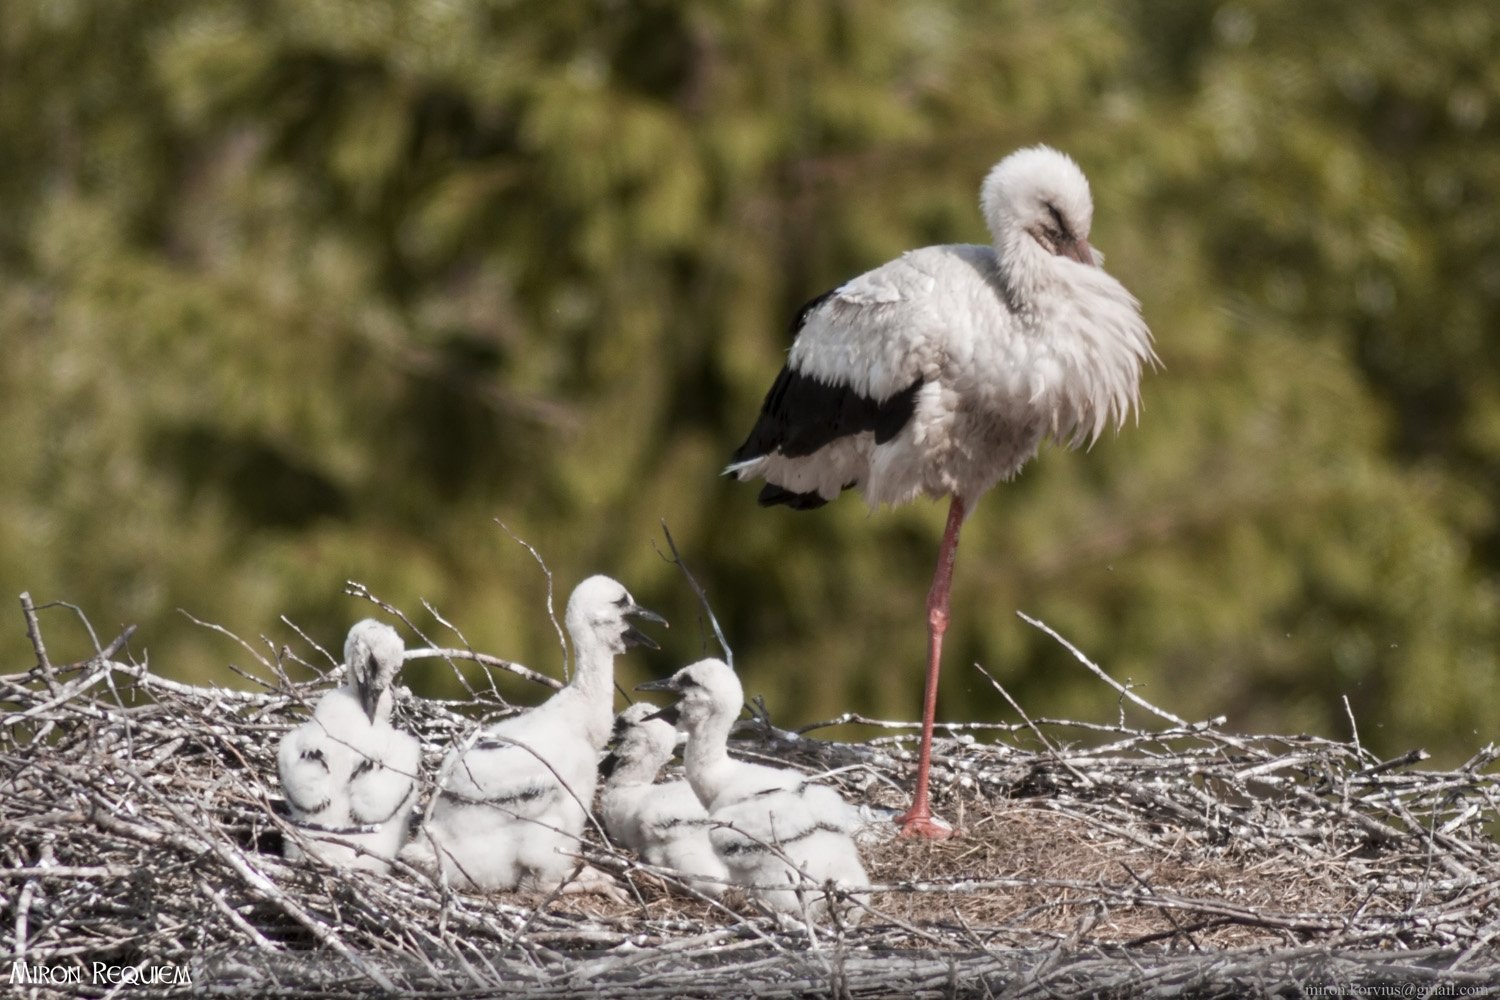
664 684
1080 251
635 637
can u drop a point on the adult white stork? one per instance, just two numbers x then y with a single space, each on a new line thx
940 373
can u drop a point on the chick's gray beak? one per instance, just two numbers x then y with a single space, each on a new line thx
665 684
369 695
670 715
363 675
635 637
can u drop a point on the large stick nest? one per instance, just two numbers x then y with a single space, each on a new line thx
142 827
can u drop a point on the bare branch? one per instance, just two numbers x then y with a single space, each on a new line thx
34 633
692 582
1093 668
551 614
484 659
1083 779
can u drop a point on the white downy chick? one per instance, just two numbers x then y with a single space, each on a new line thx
512 805
348 775
782 838
663 823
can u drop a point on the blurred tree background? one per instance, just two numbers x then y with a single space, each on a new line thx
297 291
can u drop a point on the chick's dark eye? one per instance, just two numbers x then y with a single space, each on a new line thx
623 601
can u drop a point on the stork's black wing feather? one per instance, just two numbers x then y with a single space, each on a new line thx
802 413
771 495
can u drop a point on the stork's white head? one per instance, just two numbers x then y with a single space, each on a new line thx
709 690
373 654
1041 195
644 737
600 609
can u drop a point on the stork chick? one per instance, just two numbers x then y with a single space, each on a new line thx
512 805
664 823
348 775
781 837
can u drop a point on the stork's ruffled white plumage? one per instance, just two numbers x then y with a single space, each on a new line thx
348 775
780 836
942 372
512 805
663 823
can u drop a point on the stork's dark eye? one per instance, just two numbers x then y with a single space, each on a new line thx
687 682
1057 219
623 601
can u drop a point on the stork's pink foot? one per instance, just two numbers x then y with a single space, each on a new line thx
924 825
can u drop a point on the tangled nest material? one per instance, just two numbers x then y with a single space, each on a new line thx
142 829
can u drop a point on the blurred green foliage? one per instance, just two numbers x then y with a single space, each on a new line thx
297 291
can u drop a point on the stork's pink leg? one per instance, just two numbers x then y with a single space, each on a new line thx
918 820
